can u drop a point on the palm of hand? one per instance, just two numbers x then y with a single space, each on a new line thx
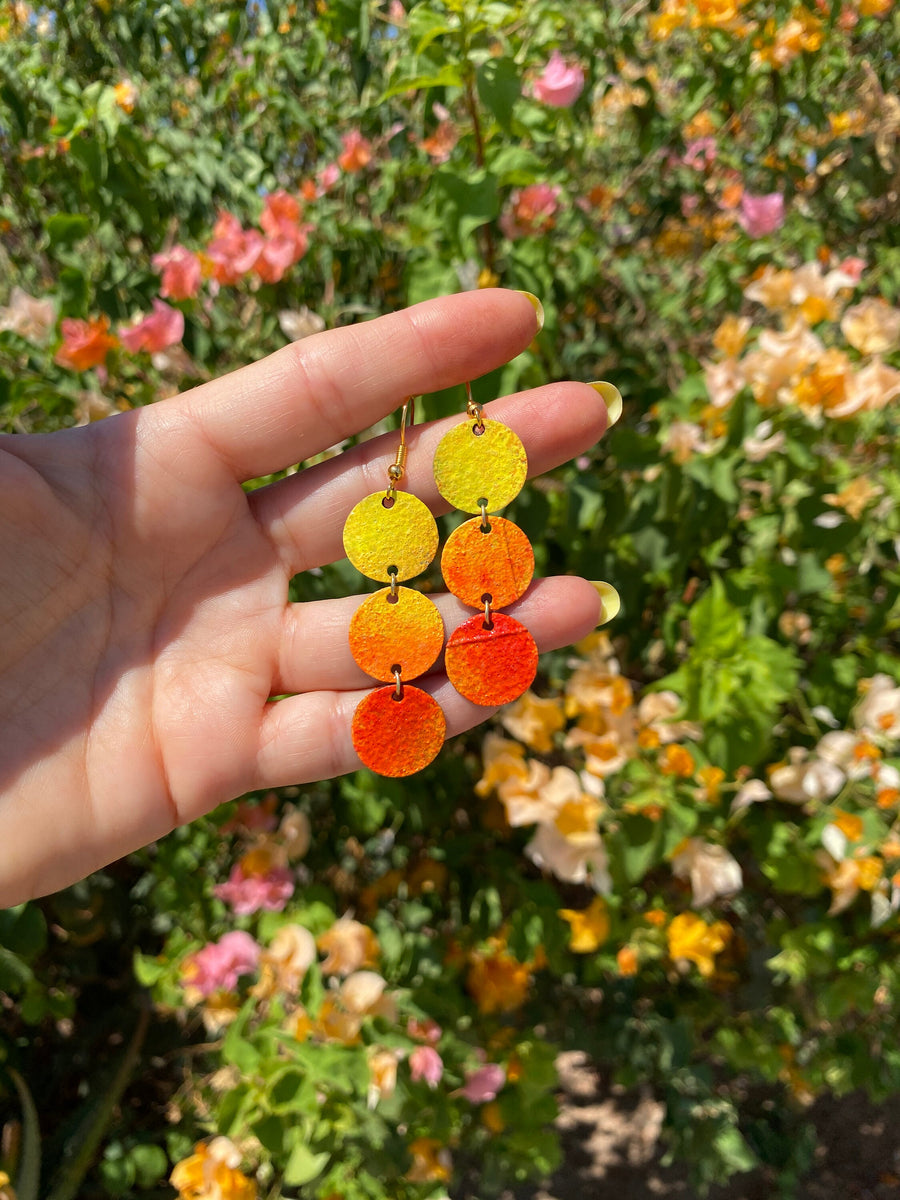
145 605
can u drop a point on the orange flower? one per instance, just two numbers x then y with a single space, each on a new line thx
849 824
627 961
211 1173
85 343
677 760
656 916
497 981
431 1161
711 779
887 797
126 95
357 152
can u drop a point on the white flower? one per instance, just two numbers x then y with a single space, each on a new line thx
711 869
878 713
835 842
579 859
802 778
753 792
762 442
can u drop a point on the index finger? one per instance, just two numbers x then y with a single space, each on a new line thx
315 392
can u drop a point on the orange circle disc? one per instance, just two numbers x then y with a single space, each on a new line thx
398 737
499 563
491 666
407 633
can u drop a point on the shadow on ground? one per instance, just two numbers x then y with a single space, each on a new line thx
612 1150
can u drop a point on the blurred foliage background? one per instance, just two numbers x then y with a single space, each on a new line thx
680 852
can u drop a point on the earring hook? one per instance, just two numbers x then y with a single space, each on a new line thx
398 466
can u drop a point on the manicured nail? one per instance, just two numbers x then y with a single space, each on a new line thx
537 306
612 398
609 600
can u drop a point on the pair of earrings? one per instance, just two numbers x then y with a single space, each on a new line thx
397 633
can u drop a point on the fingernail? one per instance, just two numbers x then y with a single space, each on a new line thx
612 398
609 600
536 305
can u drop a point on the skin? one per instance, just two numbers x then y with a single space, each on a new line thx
144 593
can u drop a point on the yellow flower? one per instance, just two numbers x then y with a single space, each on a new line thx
497 981
589 928
534 721
431 1161
6 1188
503 760
382 1074
869 869
875 8
126 95
627 961
349 946
691 939
211 1173
825 383
711 779
731 336
849 824
487 278
677 760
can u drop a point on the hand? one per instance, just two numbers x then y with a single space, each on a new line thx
144 593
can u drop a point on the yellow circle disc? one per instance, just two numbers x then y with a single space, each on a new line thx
379 535
406 632
470 467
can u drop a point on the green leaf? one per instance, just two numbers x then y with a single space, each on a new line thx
63 229
303 1165
499 87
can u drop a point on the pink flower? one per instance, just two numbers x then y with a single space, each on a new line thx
357 152
559 84
531 210
161 328
700 154
484 1084
248 893
327 178
853 267
426 1064
278 253
281 213
760 215
180 269
218 965
233 250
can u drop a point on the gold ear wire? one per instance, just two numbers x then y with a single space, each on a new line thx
398 466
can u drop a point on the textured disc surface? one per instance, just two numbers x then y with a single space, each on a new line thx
403 535
398 737
469 466
499 563
408 633
491 666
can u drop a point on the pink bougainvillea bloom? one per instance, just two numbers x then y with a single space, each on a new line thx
426 1064
181 272
218 965
700 154
559 84
357 152
248 893
159 329
85 343
531 210
482 1085
760 215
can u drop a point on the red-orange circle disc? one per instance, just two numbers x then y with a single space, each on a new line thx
398 737
491 666
408 634
499 563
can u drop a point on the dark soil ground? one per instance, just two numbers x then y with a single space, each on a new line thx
612 1150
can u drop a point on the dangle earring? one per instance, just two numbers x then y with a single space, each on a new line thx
397 633
479 467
